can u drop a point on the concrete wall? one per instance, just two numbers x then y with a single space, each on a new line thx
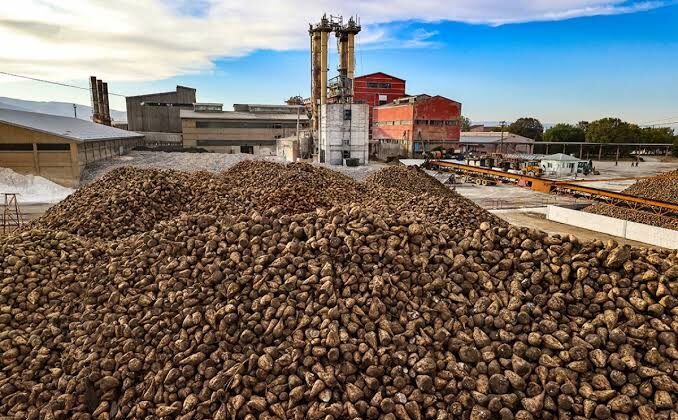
236 139
158 118
339 135
652 235
288 149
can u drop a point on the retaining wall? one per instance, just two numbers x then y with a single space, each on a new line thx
652 235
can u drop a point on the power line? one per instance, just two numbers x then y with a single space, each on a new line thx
657 121
54 83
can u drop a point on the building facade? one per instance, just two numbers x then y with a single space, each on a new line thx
58 148
252 129
417 124
343 133
159 112
377 89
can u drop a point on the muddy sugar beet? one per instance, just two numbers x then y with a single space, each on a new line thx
364 307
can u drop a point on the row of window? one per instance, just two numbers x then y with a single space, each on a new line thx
236 143
28 147
246 124
379 85
417 122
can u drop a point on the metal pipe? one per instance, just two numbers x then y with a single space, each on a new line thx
324 35
351 59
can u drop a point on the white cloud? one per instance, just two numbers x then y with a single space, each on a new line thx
156 39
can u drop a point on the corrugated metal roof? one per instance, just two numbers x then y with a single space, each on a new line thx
492 137
561 157
233 115
70 128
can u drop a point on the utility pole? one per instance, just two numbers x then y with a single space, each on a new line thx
501 142
75 111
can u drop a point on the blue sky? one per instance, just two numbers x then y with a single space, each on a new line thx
583 68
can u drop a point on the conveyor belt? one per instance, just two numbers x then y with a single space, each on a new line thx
570 187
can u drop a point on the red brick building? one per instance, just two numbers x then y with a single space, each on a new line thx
417 124
377 89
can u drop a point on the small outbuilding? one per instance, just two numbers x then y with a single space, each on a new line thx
560 165
58 148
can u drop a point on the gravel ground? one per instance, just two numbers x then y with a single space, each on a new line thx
191 162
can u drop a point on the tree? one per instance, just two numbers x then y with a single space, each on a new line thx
675 146
465 123
295 100
528 127
565 133
584 125
612 130
656 135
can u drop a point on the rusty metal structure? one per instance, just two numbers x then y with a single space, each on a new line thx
569 187
340 88
12 219
101 112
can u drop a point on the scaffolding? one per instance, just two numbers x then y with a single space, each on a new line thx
12 219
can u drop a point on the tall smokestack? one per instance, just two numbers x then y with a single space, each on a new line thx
100 102
104 101
94 91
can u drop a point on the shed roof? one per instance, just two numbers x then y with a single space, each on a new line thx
492 137
66 127
561 157
234 115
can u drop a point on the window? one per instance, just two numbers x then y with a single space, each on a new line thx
16 147
347 114
379 85
452 122
246 124
54 147
437 122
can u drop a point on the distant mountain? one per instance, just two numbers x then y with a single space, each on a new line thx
64 109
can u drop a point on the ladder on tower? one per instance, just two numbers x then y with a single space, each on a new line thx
12 219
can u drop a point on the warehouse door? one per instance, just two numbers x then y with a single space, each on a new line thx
247 149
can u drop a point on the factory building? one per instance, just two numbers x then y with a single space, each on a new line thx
412 125
58 148
252 129
159 112
377 89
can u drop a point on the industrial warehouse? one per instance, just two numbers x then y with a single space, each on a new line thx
357 251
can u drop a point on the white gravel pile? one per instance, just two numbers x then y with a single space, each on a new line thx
191 162
30 188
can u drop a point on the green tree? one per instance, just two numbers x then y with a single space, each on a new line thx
527 127
656 135
565 133
465 123
583 125
612 130
675 146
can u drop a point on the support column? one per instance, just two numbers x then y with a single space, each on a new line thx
351 59
581 151
323 67
600 152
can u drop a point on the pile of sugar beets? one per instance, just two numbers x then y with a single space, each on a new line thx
158 294
663 187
